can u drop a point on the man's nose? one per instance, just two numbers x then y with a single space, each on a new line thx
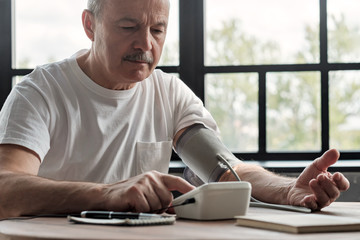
144 40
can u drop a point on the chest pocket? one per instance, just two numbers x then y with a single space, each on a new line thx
153 156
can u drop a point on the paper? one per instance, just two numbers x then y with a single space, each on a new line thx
125 222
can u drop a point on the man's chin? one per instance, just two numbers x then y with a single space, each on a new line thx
138 76
135 72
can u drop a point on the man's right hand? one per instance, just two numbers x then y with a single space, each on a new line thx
147 192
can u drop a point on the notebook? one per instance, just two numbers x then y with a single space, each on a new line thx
300 223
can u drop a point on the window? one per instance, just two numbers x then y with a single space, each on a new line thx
344 92
293 111
43 35
281 78
343 31
243 32
235 110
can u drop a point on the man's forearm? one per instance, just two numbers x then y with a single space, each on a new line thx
266 186
24 194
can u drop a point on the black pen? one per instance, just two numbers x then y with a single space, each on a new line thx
117 215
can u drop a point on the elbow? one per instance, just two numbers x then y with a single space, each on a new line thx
7 210
8 197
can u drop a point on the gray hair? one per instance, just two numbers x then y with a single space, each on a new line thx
95 6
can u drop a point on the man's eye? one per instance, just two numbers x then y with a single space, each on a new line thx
158 30
128 28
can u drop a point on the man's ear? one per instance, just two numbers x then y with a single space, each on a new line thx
88 21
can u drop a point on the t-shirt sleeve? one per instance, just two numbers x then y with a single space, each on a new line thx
23 120
190 109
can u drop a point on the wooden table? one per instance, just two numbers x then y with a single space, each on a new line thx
60 228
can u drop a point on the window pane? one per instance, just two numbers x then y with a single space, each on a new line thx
242 32
16 80
52 31
232 99
344 104
170 55
47 31
343 30
293 111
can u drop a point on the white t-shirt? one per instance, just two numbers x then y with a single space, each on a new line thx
84 132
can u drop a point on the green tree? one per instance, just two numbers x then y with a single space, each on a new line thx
293 99
343 41
344 85
232 45
170 54
232 98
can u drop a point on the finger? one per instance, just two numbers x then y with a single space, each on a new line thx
165 197
138 200
321 196
157 194
170 211
309 202
341 181
326 160
176 183
329 187
154 200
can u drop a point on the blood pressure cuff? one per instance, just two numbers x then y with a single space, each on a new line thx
198 147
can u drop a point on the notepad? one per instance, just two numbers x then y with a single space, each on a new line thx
124 222
300 223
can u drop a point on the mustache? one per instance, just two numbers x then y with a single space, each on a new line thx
140 56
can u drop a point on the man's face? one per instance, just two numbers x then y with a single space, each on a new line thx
128 38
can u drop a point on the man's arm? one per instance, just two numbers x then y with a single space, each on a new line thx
24 193
266 186
315 188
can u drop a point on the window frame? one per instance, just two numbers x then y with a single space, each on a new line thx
192 71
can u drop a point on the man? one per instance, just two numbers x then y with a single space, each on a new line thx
95 131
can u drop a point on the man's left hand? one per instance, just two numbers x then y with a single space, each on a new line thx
316 188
